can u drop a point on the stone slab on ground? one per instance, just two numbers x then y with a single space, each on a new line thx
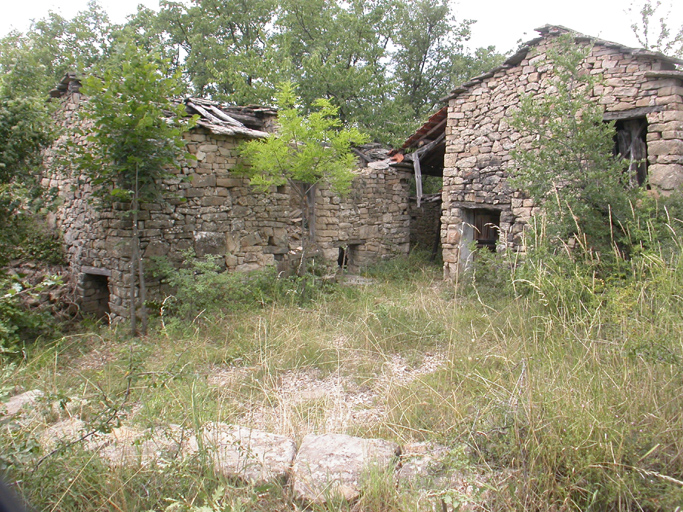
18 402
420 462
251 455
126 446
333 465
64 431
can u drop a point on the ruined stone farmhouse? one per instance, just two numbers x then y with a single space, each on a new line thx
467 144
212 211
468 141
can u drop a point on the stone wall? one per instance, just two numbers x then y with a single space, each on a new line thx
211 211
368 224
637 84
424 221
208 210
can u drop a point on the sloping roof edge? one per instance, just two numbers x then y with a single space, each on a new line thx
553 30
432 126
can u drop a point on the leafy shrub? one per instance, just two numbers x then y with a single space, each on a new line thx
202 286
30 239
402 268
18 321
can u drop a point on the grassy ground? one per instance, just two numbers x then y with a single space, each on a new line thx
558 408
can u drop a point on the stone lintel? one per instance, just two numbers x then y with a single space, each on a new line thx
631 113
96 271
272 249
341 243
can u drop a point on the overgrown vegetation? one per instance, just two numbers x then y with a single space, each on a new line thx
565 162
307 151
562 389
136 143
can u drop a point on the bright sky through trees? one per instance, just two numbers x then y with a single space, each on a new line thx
499 22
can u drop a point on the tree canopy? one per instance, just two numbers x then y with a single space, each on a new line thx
383 63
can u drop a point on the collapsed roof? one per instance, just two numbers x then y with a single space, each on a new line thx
221 119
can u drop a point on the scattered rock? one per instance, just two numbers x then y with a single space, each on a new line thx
252 455
354 280
443 475
18 402
65 431
421 462
127 446
333 464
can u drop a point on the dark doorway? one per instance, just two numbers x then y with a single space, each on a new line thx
95 300
486 225
630 142
343 259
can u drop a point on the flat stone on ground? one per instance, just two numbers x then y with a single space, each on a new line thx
333 464
421 461
18 402
127 446
251 455
64 431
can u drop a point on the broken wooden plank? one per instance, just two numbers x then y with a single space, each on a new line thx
225 117
205 113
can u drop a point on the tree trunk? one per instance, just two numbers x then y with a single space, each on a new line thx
133 262
136 261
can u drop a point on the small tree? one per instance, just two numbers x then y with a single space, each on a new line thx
652 30
306 151
136 140
25 130
566 161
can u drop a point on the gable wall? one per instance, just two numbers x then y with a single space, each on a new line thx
479 138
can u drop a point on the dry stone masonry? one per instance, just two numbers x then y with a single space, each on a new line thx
211 211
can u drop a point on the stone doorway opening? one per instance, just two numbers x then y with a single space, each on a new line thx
95 297
630 142
481 229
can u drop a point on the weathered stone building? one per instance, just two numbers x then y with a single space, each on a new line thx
212 211
469 140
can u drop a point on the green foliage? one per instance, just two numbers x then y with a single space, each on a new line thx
403 268
54 46
382 63
137 139
201 286
25 130
306 149
565 159
30 239
18 322
337 51
429 58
